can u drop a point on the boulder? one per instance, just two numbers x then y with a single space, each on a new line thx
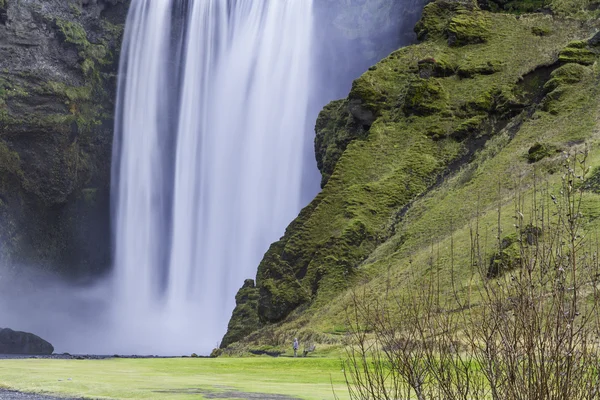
14 342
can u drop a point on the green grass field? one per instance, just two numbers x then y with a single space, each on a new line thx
182 378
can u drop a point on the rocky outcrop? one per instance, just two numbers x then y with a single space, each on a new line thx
245 319
23 343
58 63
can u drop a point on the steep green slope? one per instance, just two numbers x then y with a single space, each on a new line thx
429 138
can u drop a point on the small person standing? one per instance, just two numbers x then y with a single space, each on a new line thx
296 347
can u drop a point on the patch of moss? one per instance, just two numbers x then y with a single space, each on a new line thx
245 316
10 162
335 129
552 102
561 83
592 183
507 258
541 31
468 28
75 10
567 75
439 68
92 54
425 97
71 93
82 108
539 151
435 18
10 89
368 97
578 52
72 32
469 127
570 7
489 67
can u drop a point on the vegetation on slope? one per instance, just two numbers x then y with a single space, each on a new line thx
430 137
526 323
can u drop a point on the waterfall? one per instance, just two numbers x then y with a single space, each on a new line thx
207 160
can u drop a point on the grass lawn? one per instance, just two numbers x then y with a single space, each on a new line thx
181 378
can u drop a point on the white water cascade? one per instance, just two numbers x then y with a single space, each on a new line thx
207 161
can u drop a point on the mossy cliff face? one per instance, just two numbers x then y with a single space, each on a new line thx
427 115
58 63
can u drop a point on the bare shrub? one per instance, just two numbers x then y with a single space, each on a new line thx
530 331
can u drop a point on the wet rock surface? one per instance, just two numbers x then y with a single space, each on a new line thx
58 65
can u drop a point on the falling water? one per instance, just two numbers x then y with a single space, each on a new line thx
207 160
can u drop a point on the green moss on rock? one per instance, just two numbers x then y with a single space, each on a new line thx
425 97
567 75
434 20
541 31
92 55
245 315
439 68
335 129
539 151
468 28
592 182
469 70
367 100
507 258
72 32
469 127
578 52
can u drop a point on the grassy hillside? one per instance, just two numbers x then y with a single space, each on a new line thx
430 141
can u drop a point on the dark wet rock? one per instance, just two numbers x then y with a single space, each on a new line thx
58 65
15 342
595 41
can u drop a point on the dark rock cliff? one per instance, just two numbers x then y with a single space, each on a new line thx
58 64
